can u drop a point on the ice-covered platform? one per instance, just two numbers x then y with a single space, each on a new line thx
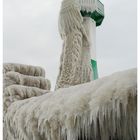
104 109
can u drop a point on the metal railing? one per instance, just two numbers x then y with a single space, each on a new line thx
100 7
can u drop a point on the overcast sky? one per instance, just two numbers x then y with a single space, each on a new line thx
31 35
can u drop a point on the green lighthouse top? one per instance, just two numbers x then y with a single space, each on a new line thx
97 13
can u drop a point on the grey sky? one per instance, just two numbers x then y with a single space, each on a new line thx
31 35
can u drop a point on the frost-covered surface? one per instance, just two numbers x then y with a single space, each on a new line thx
100 110
18 92
27 80
24 69
23 81
87 5
75 67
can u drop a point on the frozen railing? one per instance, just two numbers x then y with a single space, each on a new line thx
99 7
93 9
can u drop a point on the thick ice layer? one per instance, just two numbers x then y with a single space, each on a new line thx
75 65
24 69
26 80
70 17
87 5
18 92
100 110
22 82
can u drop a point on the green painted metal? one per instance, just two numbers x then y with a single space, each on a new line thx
97 15
95 69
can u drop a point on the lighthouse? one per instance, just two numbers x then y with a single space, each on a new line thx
77 24
93 14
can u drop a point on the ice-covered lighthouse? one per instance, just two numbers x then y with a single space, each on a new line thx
93 13
77 26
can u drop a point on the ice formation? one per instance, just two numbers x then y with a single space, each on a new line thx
104 109
22 82
75 65
24 69
34 81
18 92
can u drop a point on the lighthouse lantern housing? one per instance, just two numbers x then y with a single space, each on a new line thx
97 14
